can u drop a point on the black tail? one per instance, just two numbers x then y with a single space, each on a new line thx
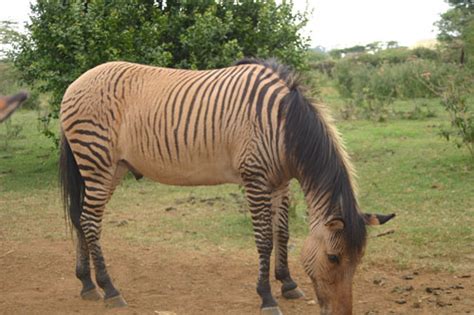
72 185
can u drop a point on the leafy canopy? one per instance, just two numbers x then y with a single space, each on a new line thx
456 31
66 38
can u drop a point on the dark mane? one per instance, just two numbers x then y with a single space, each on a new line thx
284 72
317 156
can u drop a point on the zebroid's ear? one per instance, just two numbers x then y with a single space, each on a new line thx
377 219
335 224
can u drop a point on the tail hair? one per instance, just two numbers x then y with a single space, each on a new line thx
72 185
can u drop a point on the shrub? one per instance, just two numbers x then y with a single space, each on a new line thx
66 38
390 80
426 53
456 96
9 84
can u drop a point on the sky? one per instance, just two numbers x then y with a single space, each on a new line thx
336 23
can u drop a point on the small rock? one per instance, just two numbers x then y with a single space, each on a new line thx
457 286
379 281
408 277
397 290
416 305
170 209
432 290
122 223
312 302
402 289
443 304
457 298
400 301
464 276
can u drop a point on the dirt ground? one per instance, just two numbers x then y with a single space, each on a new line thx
38 278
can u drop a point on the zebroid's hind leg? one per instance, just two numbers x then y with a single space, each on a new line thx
89 175
280 206
83 270
99 187
91 221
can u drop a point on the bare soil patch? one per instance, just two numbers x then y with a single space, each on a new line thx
38 278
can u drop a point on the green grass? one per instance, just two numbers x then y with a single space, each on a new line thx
403 166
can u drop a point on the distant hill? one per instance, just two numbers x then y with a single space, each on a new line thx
426 43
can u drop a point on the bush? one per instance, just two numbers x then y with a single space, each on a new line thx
426 53
66 38
390 80
456 95
9 84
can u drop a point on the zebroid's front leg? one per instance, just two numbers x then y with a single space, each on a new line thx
258 196
280 205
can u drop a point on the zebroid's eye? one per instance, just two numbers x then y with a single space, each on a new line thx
333 258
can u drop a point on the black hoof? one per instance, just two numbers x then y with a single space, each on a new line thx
91 295
273 310
294 294
115 302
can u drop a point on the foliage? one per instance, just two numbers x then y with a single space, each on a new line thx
456 32
371 48
419 111
9 78
389 80
395 55
9 84
368 104
200 38
383 58
8 34
339 53
426 53
314 56
456 96
66 38
12 131
370 90
320 61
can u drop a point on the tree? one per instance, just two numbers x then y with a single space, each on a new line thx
8 35
392 44
66 38
338 53
456 30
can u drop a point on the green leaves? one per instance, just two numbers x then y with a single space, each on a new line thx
208 43
456 31
456 98
66 38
